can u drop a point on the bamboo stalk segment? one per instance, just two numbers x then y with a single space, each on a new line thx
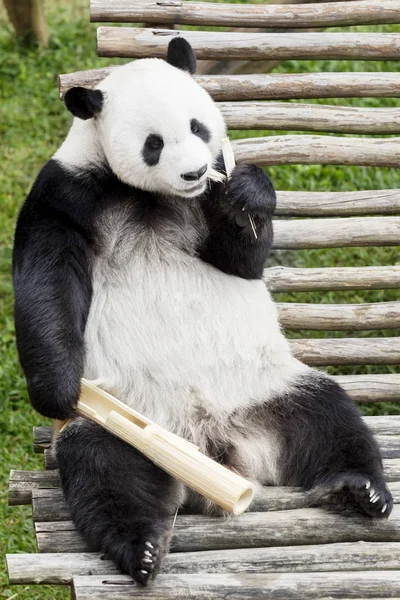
370 12
177 456
339 317
193 533
347 351
318 149
336 233
62 568
270 86
286 279
144 43
310 117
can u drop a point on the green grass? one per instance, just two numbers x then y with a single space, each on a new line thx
33 122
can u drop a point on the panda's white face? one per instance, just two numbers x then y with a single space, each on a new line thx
160 131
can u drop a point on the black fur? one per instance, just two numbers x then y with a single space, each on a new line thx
152 149
83 103
119 500
231 245
326 446
180 55
200 130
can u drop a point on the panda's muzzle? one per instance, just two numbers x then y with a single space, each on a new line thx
194 175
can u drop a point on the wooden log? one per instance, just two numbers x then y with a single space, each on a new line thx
28 19
286 279
310 117
194 533
347 351
49 504
371 388
50 461
358 385
133 42
340 204
339 317
277 86
242 586
60 569
336 233
318 149
22 483
370 12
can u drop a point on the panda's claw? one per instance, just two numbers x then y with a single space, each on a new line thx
149 544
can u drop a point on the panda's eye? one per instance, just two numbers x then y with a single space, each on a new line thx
155 142
200 130
152 149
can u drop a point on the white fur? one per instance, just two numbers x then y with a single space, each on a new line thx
180 341
141 98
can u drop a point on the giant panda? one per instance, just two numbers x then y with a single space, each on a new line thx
134 270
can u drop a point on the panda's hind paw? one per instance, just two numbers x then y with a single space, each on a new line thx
372 497
356 491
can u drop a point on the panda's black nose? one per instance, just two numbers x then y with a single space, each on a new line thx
194 175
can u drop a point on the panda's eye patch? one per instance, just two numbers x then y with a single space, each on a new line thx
200 130
152 149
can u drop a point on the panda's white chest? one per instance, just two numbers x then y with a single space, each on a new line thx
171 335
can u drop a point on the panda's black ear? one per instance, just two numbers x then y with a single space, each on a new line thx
83 103
181 55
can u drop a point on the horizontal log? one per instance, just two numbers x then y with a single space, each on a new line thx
340 204
339 317
49 504
22 483
355 385
289 586
286 279
318 149
133 42
371 388
60 569
193 533
370 12
336 233
270 86
347 351
310 117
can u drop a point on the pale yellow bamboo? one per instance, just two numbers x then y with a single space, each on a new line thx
175 455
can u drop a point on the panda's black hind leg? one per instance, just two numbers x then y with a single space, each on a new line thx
120 501
328 450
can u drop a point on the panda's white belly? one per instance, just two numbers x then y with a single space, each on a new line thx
171 335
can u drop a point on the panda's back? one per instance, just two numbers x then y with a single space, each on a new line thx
170 334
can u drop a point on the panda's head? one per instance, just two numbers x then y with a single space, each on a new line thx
157 129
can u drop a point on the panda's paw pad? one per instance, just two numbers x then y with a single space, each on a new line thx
372 497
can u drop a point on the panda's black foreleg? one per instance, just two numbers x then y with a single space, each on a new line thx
239 219
119 501
327 448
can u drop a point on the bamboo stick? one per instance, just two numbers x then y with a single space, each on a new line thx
276 86
175 455
370 12
145 43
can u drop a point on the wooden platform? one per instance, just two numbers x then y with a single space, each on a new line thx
284 548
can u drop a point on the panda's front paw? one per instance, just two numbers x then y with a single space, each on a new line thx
249 191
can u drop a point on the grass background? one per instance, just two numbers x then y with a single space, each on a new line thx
33 122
